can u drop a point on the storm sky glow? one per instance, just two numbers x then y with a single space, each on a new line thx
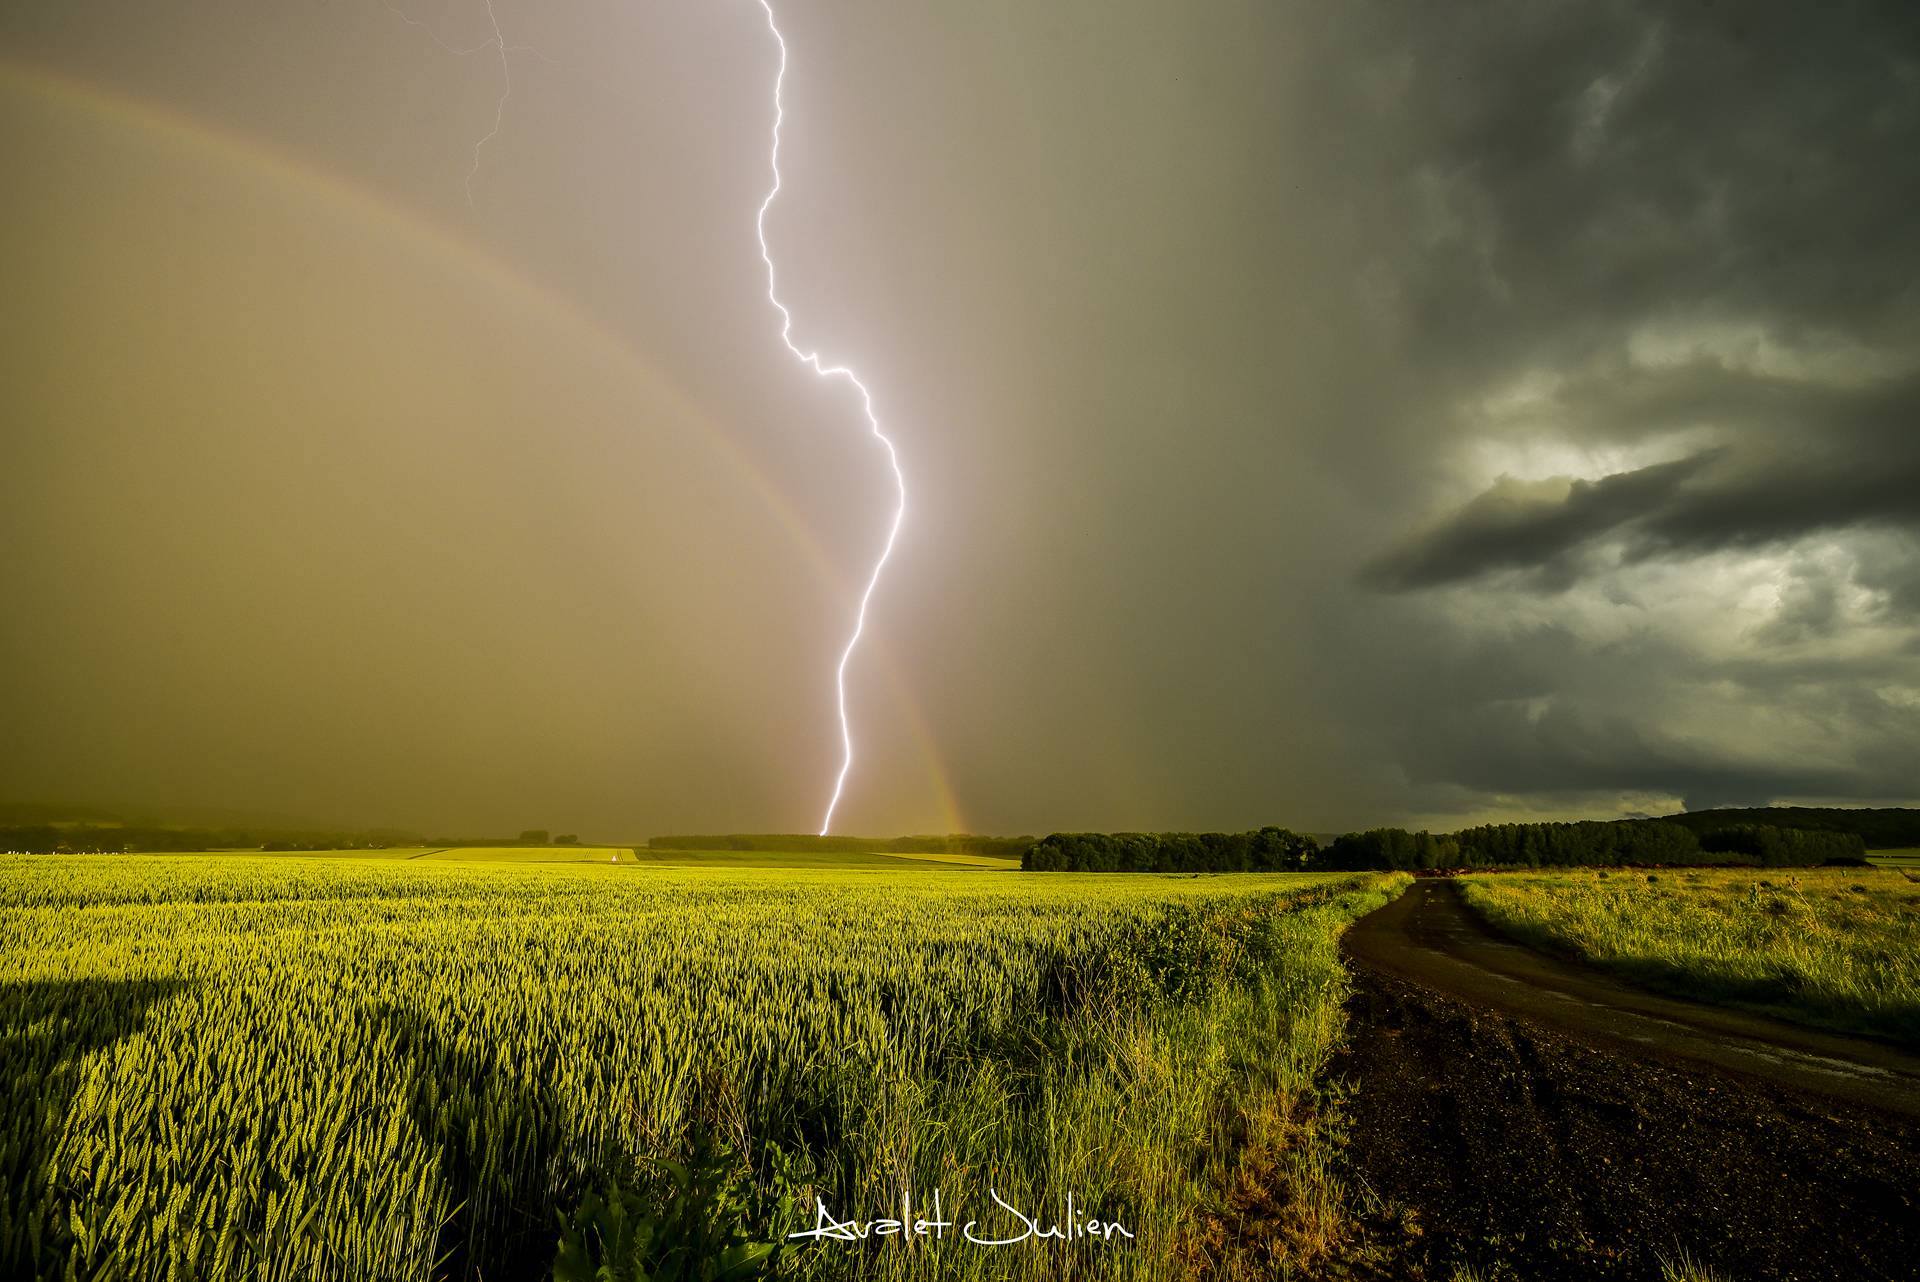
1323 415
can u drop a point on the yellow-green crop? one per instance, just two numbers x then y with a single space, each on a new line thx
233 1067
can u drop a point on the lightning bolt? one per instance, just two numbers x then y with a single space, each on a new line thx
499 104
500 46
813 361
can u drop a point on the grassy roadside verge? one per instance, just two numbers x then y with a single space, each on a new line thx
1271 1204
1836 948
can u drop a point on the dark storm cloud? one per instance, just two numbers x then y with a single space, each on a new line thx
1503 749
1685 232
1533 525
1846 461
1892 568
1565 721
1573 169
1832 479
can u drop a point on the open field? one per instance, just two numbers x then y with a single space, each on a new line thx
962 861
629 856
1833 947
226 1066
1907 858
872 859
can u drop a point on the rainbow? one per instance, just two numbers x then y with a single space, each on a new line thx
162 126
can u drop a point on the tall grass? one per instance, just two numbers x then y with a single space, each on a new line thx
1835 947
253 1068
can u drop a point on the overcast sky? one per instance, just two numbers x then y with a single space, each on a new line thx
1319 414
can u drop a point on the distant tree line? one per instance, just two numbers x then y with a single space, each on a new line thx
1387 848
1881 828
1782 847
1588 843
116 838
1560 845
959 843
1267 850
1520 845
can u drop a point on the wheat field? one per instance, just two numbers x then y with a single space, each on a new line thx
251 1067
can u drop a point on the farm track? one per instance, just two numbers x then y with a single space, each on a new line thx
1532 1118
1430 936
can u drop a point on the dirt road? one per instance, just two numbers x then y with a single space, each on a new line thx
1430 937
1531 1119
